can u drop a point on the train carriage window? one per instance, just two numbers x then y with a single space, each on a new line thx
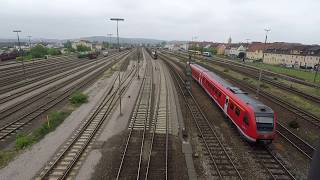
231 106
237 111
245 120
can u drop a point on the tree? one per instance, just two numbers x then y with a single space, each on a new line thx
39 51
54 52
163 43
82 48
67 45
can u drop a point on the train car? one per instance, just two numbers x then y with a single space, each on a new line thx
254 120
93 55
207 54
8 56
154 55
194 52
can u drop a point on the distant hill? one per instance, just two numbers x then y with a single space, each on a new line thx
92 39
27 40
122 40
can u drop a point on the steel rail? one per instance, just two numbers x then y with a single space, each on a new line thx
188 95
110 101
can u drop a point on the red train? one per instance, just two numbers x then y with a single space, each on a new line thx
254 120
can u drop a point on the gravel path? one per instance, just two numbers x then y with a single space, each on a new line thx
28 163
115 125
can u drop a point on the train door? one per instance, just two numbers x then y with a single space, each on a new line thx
225 108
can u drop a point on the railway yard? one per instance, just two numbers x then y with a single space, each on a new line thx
141 122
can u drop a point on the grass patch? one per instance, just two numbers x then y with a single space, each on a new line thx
54 120
6 156
78 98
23 140
298 73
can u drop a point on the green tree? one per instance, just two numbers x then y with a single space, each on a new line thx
67 45
39 51
54 52
82 48
163 43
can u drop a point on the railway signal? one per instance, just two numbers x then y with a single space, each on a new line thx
20 52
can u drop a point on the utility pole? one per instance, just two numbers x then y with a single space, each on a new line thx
138 53
20 52
109 35
30 47
120 91
317 69
117 19
29 41
265 41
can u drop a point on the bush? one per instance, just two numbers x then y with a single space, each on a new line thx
23 140
245 78
54 52
54 119
78 98
226 70
294 124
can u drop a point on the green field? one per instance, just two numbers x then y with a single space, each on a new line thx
300 74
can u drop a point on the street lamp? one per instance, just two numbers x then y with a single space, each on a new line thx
20 52
265 41
109 35
260 72
117 19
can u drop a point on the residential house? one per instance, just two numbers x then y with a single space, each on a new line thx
97 46
255 51
293 55
220 49
81 42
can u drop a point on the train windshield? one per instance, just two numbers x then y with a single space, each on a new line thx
264 123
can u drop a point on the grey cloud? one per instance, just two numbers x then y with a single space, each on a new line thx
292 21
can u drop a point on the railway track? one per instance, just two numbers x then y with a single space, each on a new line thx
50 101
7 111
267 72
131 159
67 158
11 83
273 166
223 165
300 144
40 82
157 164
146 151
31 69
254 73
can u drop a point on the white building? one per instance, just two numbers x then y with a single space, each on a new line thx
81 42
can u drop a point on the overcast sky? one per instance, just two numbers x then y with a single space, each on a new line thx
210 20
